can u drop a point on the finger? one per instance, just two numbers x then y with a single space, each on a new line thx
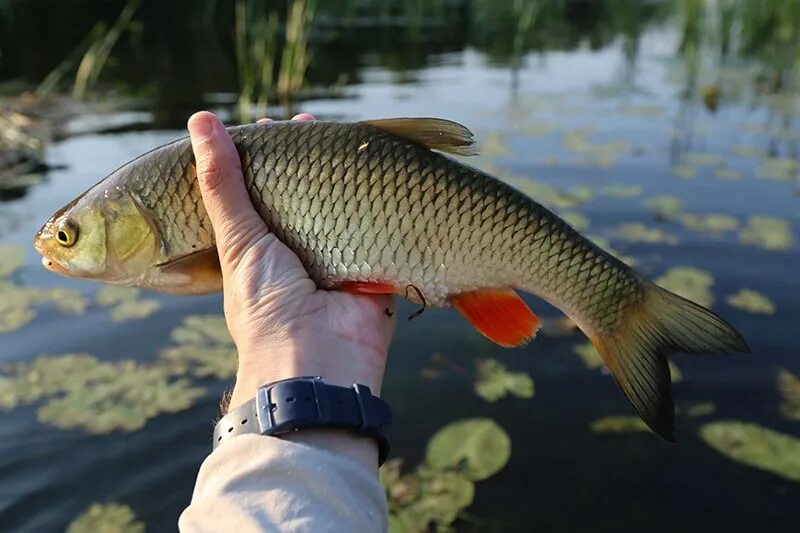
264 120
304 116
219 175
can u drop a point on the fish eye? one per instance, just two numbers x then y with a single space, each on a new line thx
67 233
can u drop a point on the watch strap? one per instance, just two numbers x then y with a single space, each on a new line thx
309 402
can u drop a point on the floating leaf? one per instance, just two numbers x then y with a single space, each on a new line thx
701 159
621 191
442 496
684 171
106 518
689 282
665 205
68 302
744 150
134 310
767 232
589 355
778 169
751 301
205 348
478 447
725 173
711 222
109 295
495 382
756 446
122 403
619 424
12 257
789 389
675 373
701 409
17 303
636 232
576 220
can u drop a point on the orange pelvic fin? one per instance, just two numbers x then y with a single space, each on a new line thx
368 287
499 314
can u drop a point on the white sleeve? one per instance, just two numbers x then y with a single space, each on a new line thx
257 483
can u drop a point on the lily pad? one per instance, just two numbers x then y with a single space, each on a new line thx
205 348
637 232
751 301
109 295
684 171
134 310
689 282
619 424
589 355
621 191
477 447
789 389
495 382
711 222
726 173
18 303
744 150
442 496
106 518
665 205
12 257
701 409
778 169
767 232
756 446
123 403
202 329
576 220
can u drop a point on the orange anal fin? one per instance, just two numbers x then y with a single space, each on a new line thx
499 314
368 287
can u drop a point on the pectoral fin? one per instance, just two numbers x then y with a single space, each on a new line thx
195 273
433 133
499 314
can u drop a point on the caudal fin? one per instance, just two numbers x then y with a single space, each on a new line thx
635 354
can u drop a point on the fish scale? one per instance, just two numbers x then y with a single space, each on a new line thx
369 207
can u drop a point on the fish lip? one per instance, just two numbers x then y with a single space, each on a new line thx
53 266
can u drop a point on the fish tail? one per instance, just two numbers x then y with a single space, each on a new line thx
635 353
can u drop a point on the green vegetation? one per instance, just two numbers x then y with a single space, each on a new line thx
689 282
751 301
756 446
495 382
619 424
789 389
106 518
438 490
767 232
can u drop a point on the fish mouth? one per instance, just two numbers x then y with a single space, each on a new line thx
53 266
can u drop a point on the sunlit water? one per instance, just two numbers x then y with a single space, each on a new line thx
562 476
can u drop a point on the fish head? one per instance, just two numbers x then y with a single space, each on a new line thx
104 234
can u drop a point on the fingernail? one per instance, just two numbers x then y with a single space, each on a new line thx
201 126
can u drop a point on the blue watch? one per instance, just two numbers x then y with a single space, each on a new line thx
308 402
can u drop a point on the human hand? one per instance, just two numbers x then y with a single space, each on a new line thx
282 325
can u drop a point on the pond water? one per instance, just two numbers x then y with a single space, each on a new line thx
587 131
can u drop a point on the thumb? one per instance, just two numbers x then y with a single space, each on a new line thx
219 173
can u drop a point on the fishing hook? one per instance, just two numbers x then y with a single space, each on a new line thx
421 298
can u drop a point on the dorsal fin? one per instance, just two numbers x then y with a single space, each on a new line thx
432 133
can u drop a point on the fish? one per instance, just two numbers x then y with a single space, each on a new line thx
381 207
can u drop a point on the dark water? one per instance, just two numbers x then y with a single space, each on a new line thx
562 476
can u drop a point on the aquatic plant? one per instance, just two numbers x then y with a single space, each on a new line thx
700 409
12 257
617 190
18 303
124 303
109 517
97 396
436 492
256 47
789 389
689 282
713 222
638 232
619 424
751 301
296 55
576 220
100 48
756 446
589 355
204 349
664 206
495 382
767 232
477 448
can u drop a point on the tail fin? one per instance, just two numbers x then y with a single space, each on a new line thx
661 323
